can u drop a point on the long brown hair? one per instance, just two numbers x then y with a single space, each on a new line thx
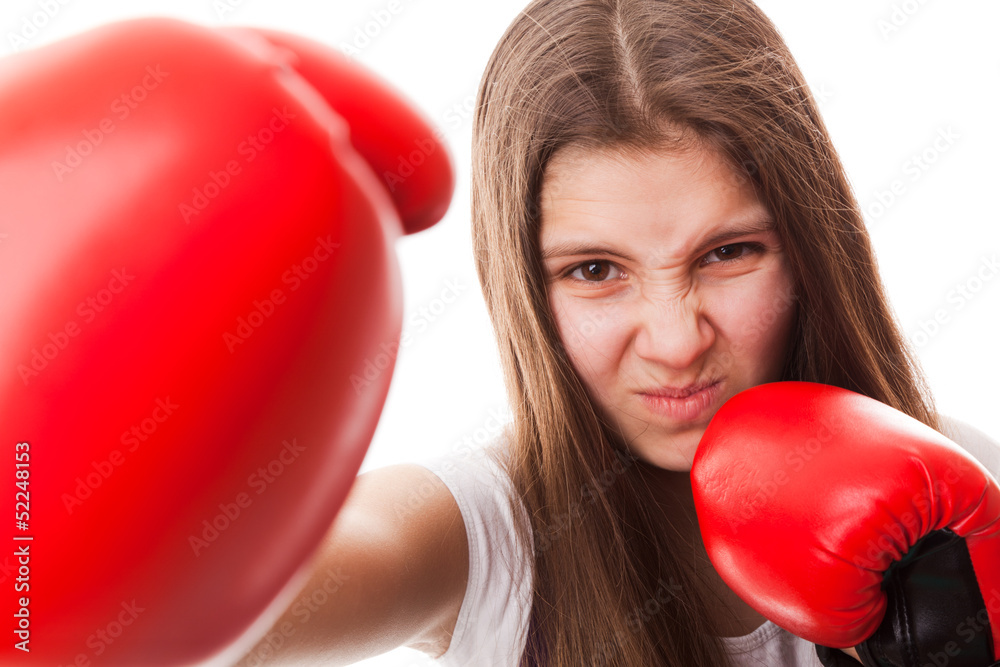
608 587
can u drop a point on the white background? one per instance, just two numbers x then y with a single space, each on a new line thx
889 76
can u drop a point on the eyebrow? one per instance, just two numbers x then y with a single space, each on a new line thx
571 248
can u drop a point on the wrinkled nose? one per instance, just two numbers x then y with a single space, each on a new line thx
672 332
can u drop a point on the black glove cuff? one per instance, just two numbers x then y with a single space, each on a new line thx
935 613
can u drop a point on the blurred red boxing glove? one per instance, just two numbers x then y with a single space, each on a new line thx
201 311
849 523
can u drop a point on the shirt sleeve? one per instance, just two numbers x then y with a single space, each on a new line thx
492 624
982 447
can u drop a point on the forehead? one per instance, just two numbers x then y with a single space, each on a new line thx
664 197
577 168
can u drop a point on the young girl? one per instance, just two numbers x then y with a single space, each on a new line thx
660 222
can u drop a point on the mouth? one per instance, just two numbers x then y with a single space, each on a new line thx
679 392
684 403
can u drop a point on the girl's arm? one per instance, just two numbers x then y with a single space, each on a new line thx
391 572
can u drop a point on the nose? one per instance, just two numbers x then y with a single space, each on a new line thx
673 332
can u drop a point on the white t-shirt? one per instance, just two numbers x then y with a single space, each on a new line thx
493 622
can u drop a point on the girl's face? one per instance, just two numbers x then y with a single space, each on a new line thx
669 286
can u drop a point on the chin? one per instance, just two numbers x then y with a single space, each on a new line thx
670 452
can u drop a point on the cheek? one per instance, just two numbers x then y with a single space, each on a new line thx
588 333
758 321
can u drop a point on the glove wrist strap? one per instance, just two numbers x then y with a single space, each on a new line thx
935 613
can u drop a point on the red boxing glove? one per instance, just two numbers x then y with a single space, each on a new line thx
849 523
201 314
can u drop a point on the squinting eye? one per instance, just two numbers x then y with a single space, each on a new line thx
591 272
735 252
